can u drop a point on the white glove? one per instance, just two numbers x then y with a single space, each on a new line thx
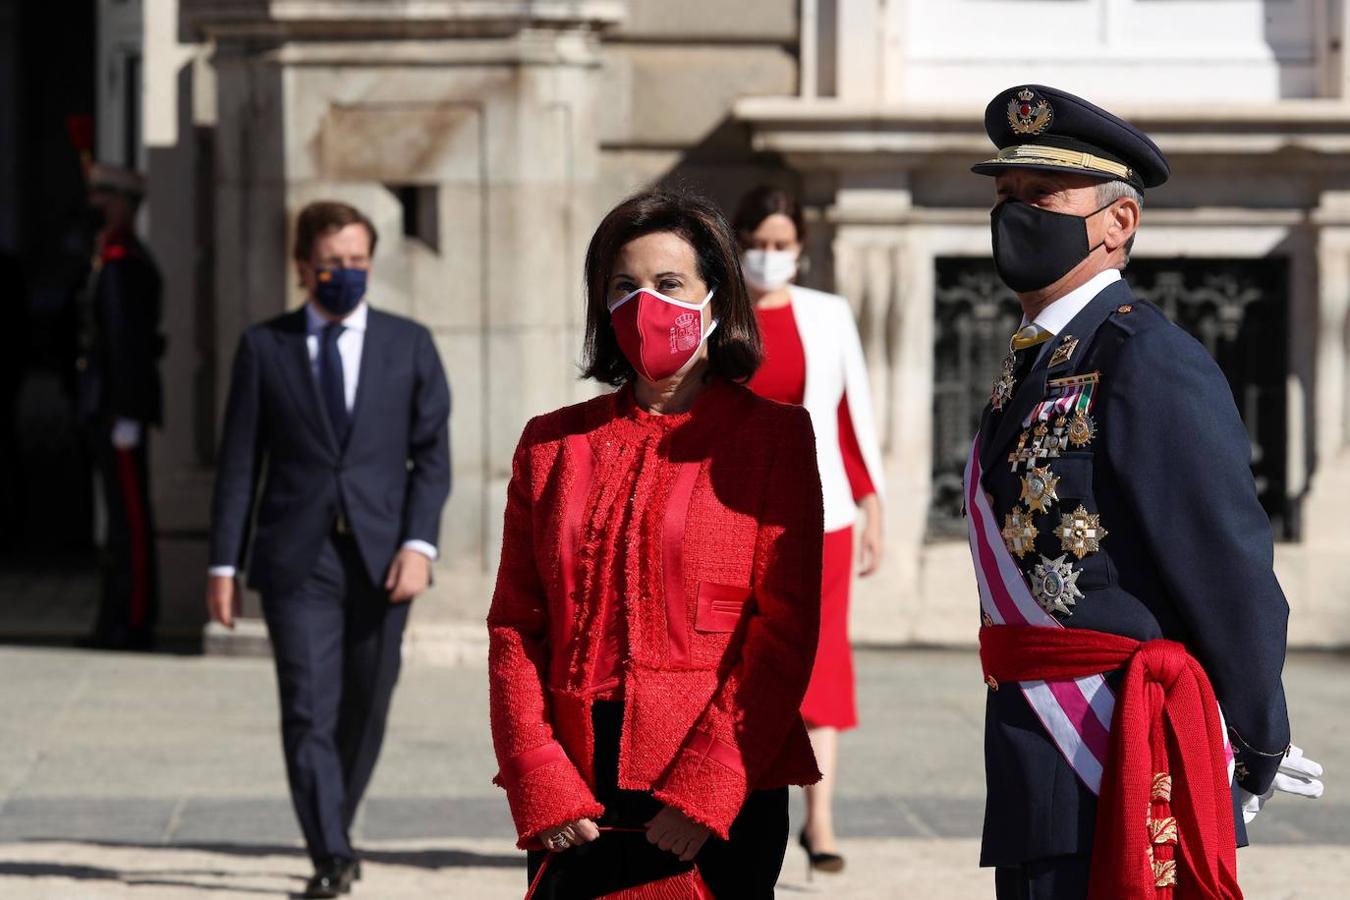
1297 775
126 434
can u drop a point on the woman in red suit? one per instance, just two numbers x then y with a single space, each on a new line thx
657 603
812 357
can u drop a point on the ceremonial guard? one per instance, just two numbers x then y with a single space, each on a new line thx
119 398
1134 631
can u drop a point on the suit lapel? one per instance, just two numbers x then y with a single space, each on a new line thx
372 357
299 377
1083 327
1031 389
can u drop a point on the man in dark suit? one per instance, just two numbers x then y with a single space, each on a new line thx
1111 505
342 412
119 397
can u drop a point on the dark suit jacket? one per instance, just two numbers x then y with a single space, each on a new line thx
1188 556
391 479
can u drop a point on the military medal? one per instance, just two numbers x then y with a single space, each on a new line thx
1082 429
1068 404
1004 384
1054 582
1080 532
1019 533
1038 489
1064 351
1020 454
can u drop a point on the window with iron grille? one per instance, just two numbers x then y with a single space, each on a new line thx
1238 309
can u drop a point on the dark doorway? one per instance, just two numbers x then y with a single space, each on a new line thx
45 505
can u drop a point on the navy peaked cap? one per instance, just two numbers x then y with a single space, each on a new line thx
1041 127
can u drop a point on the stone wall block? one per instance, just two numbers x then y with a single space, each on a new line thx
697 21
678 95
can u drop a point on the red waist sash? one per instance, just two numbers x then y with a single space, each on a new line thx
1166 758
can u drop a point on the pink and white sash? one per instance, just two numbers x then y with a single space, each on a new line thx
1076 712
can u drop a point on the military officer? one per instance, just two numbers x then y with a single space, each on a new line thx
119 398
1121 552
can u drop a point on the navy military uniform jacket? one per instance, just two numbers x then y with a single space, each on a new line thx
119 366
1187 556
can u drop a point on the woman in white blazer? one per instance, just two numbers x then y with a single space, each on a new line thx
813 357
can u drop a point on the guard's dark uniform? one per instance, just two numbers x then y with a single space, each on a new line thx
1136 517
118 378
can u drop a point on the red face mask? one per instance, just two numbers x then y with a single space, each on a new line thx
660 335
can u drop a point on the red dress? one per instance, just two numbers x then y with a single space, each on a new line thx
830 697
672 560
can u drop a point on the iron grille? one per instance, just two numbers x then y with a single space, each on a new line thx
1238 309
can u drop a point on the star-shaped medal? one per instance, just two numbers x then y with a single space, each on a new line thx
1082 430
1038 488
1080 532
1054 582
1019 533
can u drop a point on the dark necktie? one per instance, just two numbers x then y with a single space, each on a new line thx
1026 360
331 385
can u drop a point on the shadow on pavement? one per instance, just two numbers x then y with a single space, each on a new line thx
183 879
211 879
421 857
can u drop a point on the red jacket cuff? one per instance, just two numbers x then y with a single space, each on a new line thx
707 782
544 790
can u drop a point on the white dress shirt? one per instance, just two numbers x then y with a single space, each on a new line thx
1057 316
350 344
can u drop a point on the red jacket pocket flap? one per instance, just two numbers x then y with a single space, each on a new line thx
720 606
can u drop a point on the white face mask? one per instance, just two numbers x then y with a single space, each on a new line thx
768 270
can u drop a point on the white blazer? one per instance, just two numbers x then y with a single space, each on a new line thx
834 369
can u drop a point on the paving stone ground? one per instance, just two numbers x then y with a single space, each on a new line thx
149 776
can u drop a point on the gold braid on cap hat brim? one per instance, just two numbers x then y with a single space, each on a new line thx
1037 154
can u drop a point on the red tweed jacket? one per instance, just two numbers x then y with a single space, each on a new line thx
718 660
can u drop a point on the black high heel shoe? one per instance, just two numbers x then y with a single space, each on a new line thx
831 863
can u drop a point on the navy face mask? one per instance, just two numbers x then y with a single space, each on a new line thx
1034 247
339 290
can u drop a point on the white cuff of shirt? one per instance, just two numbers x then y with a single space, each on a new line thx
421 547
222 571
126 433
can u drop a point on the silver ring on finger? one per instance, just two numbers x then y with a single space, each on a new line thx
559 842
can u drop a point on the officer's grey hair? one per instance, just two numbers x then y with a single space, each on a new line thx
1110 192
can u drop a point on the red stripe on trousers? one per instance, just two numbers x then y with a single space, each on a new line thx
140 552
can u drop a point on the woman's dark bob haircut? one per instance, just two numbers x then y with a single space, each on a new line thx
764 201
734 349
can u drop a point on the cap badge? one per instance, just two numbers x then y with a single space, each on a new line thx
1027 114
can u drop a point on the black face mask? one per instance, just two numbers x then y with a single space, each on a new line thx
1034 247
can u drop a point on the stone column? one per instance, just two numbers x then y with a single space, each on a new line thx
883 267
177 232
1315 570
468 133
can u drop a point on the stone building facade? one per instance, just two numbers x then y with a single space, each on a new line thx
487 137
